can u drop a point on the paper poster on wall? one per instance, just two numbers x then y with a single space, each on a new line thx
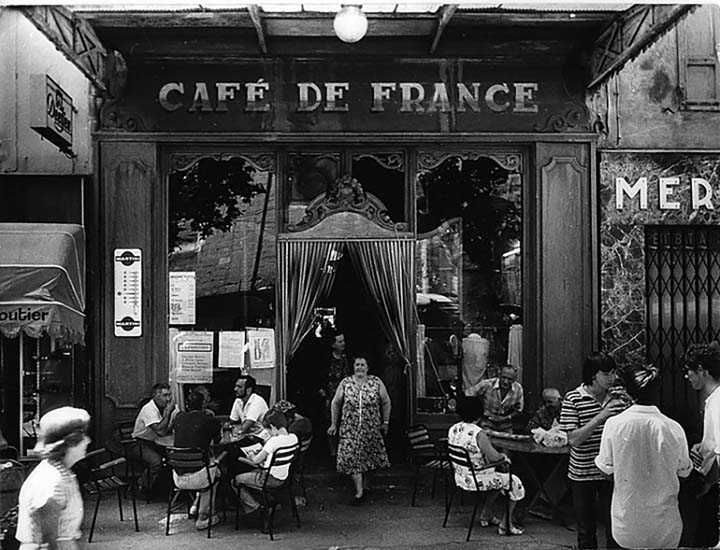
194 357
262 348
182 297
231 349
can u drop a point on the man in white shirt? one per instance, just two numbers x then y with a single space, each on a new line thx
249 407
154 420
702 371
646 453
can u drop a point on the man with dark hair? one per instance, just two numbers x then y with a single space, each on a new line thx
249 407
702 371
195 428
154 420
645 452
584 412
502 399
336 368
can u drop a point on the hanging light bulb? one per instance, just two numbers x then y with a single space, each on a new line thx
350 24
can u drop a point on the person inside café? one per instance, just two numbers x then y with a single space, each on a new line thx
548 414
249 407
702 371
154 420
646 453
194 428
502 400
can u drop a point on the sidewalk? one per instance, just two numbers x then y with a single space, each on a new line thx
385 520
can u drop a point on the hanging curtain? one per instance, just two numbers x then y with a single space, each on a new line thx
387 271
306 272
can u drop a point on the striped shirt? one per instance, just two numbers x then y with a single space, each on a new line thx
578 408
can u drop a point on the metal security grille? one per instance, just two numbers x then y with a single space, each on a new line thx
682 269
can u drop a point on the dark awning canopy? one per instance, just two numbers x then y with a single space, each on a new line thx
42 280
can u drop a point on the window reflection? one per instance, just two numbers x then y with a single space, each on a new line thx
469 274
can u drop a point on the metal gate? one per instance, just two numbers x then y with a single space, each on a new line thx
682 274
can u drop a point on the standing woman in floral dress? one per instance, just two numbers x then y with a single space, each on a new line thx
361 409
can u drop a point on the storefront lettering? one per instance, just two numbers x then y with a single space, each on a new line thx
21 314
701 193
333 97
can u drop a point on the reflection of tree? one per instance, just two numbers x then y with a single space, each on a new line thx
206 197
487 198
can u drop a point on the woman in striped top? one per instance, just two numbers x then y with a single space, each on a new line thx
50 506
584 412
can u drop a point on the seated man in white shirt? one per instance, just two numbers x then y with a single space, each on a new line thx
249 408
154 420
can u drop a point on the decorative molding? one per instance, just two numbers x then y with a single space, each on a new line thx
577 116
391 161
263 162
347 195
113 119
510 161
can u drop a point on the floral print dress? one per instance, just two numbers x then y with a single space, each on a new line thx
464 434
361 447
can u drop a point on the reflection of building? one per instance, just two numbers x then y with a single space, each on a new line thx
457 122
659 173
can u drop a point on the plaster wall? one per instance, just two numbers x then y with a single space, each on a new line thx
640 107
25 51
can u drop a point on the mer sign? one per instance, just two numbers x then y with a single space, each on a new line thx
670 196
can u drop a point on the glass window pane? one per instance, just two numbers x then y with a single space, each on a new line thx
469 273
383 175
309 176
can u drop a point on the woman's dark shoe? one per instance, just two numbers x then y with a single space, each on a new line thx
357 500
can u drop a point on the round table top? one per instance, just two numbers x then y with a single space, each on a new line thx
527 446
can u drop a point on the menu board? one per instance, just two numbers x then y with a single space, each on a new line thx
182 297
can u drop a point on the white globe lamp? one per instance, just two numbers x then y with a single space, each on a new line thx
350 24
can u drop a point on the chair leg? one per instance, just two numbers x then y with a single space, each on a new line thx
210 512
269 513
134 505
416 480
447 509
171 498
95 513
434 481
119 494
293 507
472 518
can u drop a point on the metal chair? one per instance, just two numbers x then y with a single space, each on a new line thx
283 456
426 454
460 458
97 476
189 459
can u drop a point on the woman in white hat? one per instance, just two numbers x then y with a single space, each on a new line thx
50 505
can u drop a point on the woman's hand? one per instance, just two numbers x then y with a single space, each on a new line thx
384 428
332 430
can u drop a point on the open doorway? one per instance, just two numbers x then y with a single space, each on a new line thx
356 317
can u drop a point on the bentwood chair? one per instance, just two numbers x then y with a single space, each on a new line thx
460 458
426 455
98 476
283 456
192 460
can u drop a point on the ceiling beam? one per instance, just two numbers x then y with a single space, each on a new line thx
257 19
75 39
444 15
629 34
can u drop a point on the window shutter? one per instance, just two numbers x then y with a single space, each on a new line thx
698 53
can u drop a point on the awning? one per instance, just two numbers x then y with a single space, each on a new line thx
42 280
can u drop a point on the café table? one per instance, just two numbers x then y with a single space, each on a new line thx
525 448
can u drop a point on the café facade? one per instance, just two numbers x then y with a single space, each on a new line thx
431 191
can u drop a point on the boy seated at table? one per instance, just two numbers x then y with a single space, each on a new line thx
249 484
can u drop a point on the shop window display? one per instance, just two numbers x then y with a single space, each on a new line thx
468 272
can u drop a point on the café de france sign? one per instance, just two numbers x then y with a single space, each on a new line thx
334 97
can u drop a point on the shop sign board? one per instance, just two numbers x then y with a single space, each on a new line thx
51 111
127 291
262 348
182 297
194 356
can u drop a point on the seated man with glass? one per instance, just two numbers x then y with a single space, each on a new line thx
502 399
249 407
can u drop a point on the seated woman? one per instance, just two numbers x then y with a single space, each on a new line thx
470 436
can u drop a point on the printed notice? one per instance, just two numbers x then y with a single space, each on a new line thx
262 348
182 297
231 349
194 357
128 292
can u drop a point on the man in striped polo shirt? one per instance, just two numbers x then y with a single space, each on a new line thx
584 412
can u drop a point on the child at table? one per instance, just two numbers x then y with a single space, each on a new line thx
248 484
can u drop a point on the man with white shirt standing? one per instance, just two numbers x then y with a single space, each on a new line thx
646 453
249 407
